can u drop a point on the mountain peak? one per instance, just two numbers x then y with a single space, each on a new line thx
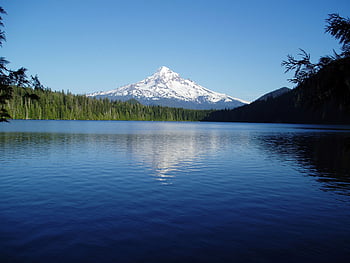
165 87
165 74
164 69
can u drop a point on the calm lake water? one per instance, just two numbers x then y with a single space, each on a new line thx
114 191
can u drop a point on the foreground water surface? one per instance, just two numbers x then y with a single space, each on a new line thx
114 191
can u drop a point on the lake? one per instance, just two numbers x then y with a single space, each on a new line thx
119 191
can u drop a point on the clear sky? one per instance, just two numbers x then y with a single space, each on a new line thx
232 47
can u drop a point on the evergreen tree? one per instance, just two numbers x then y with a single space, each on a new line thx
34 103
322 93
5 88
8 77
339 27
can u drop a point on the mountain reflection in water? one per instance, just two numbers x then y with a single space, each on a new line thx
169 155
324 155
80 191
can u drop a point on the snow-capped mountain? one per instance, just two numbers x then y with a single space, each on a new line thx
167 88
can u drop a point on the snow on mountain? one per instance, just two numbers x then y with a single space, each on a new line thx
167 88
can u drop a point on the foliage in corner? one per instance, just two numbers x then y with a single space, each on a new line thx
339 28
303 68
11 78
322 92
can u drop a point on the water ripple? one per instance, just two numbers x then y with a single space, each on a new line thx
173 192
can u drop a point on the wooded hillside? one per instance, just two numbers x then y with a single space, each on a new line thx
29 103
322 94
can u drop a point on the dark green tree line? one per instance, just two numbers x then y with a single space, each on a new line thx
23 98
42 103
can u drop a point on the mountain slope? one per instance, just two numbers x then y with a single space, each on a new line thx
167 88
322 98
273 94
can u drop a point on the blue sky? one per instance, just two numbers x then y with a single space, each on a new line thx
233 47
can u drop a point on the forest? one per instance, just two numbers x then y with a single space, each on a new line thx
322 92
321 95
23 97
42 104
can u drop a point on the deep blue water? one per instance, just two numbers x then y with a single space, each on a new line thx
113 191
